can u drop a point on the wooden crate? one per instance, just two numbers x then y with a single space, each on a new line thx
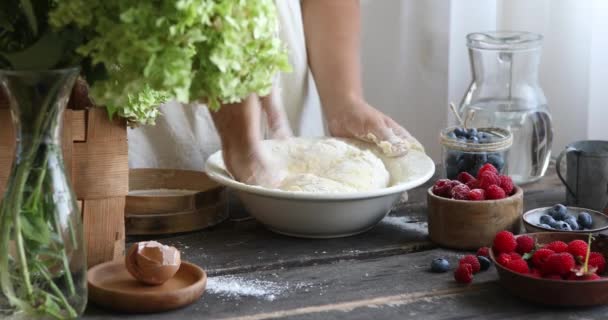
96 158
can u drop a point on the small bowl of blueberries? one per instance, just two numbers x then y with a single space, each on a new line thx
560 218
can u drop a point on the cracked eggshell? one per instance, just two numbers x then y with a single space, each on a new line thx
152 263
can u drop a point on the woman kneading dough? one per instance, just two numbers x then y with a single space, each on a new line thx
322 95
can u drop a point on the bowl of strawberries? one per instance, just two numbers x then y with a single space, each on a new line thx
553 268
467 212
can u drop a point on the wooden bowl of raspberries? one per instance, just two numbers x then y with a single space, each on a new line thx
466 213
553 268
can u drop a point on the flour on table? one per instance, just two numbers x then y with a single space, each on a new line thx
329 165
238 287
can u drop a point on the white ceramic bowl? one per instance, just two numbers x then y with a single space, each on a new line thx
327 215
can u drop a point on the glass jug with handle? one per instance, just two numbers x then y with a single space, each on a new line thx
505 93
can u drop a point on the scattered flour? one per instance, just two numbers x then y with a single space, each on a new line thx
406 224
237 287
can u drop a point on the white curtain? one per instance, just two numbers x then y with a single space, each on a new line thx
415 59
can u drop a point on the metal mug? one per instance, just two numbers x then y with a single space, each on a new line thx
587 174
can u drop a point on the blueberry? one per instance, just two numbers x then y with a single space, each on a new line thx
452 158
464 164
546 226
481 158
546 219
459 132
452 135
484 262
571 221
452 172
585 220
474 139
472 132
562 225
440 265
497 161
483 136
558 212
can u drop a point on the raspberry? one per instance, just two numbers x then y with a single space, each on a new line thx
472 260
504 241
507 184
465 177
473 184
487 179
486 167
585 277
515 256
503 259
578 248
464 273
477 195
559 263
442 188
540 256
557 246
525 244
483 252
598 261
494 192
519 266
460 192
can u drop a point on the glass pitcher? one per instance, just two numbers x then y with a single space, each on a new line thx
505 93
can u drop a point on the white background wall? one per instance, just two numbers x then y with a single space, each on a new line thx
415 59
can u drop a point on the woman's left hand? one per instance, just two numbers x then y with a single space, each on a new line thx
357 119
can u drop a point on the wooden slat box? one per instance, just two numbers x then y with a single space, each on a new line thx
96 158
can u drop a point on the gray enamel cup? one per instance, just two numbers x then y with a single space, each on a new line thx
586 178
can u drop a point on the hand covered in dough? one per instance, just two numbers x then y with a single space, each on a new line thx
361 121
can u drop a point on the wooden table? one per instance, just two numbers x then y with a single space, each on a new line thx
381 274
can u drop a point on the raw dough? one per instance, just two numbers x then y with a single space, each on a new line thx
329 166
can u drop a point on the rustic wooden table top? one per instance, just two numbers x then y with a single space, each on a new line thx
381 274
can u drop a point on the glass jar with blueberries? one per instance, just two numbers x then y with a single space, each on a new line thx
468 149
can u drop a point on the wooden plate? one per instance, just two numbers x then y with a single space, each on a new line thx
165 201
111 286
557 292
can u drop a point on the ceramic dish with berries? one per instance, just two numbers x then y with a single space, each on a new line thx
560 218
466 213
553 268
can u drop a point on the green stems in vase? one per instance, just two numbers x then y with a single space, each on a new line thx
42 257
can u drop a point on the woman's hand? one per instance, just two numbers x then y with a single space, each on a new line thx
357 119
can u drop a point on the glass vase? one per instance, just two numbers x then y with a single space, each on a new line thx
42 253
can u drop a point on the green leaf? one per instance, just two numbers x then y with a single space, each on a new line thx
34 228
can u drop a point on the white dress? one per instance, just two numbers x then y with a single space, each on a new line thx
184 135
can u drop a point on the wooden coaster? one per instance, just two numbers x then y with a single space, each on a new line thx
165 201
111 286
